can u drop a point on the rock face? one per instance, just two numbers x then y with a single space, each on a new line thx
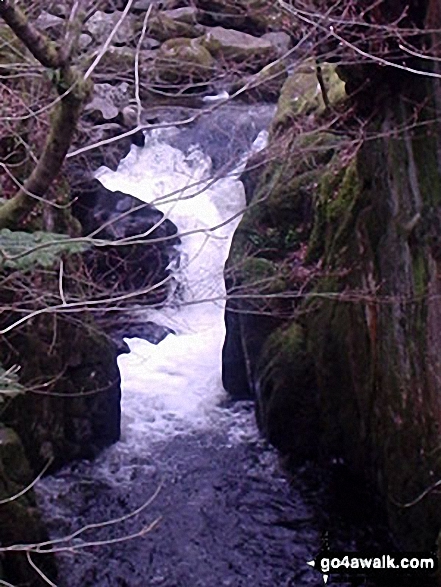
359 360
376 357
72 408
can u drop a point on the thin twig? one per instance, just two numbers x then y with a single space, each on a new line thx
137 54
30 486
108 40
39 571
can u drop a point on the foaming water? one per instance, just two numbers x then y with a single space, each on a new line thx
177 383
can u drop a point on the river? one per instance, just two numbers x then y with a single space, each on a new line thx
191 496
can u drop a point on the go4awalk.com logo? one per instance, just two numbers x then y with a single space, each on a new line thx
369 564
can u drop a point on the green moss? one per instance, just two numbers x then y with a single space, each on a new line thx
420 274
337 205
262 274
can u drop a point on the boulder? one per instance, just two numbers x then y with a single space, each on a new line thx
187 14
84 41
239 47
247 15
182 60
118 60
73 410
281 42
50 24
180 22
141 6
126 268
101 24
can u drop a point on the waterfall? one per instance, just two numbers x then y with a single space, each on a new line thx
178 382
226 510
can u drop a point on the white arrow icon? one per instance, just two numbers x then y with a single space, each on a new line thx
312 564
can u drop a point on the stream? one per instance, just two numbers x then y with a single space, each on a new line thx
191 496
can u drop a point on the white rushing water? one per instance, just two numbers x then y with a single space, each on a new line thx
176 384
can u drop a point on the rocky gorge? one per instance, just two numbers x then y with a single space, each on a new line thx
332 303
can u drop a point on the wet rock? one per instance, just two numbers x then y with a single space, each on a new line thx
239 47
147 330
131 267
236 376
288 409
107 101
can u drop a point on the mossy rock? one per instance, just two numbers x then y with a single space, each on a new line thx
337 204
263 86
74 366
301 94
171 24
262 276
287 404
116 59
182 60
283 195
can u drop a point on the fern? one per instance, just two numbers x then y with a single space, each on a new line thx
25 250
9 385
